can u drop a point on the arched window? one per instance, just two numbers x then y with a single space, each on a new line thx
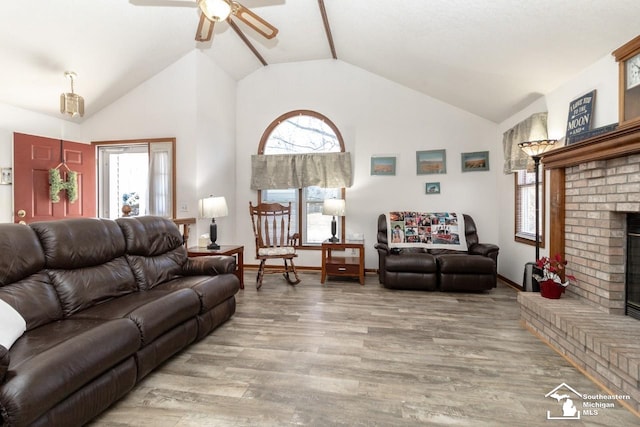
298 132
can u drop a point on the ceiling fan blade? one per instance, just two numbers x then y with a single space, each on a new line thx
205 29
254 21
167 3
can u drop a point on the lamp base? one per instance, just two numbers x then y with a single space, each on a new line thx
213 235
334 230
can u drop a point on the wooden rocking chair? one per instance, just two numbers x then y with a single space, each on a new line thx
271 226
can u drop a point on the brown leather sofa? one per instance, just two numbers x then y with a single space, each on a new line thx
437 269
105 302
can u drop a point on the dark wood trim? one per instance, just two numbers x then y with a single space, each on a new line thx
510 283
623 141
557 211
327 28
246 41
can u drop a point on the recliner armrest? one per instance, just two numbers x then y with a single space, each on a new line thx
382 247
484 249
209 265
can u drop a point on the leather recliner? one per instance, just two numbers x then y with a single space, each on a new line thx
437 269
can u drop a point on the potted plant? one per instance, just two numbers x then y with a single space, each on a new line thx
551 284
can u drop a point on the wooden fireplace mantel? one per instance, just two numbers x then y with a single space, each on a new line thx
623 141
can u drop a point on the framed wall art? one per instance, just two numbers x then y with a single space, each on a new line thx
432 188
477 161
430 162
383 165
7 176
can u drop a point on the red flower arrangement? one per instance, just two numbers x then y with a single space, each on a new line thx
553 268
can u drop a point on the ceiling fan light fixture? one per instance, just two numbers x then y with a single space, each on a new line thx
71 103
215 10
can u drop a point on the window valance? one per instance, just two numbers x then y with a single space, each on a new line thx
533 128
279 171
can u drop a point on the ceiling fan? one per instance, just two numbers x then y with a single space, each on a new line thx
212 11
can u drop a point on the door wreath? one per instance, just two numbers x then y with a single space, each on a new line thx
57 184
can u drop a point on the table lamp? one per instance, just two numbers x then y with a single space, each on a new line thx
334 207
213 207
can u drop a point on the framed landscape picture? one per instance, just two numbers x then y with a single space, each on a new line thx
432 161
472 162
432 188
383 165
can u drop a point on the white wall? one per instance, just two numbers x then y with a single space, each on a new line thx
375 116
192 100
601 76
14 119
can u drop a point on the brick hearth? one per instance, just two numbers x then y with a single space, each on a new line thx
605 346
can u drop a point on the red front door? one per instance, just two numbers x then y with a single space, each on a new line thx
33 157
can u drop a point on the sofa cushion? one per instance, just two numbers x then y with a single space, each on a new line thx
154 248
150 271
211 290
151 235
465 264
81 288
154 312
30 388
21 252
34 298
13 325
79 242
412 262
4 363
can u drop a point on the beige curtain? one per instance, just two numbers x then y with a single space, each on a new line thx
533 128
279 171
160 198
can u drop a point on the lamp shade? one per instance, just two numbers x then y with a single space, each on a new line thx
333 207
537 148
215 10
213 207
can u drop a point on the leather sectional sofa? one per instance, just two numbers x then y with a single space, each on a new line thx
437 269
104 303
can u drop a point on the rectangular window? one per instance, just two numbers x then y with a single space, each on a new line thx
316 227
525 207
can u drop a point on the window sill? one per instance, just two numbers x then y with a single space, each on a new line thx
528 239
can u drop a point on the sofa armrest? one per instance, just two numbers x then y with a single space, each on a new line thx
4 363
485 249
209 265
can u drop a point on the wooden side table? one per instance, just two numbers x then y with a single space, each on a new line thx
229 250
342 264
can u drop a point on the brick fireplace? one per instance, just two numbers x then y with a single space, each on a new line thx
598 196
594 185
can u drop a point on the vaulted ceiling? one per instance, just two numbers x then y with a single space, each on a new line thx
488 57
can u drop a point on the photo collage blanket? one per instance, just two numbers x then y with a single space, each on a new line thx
431 230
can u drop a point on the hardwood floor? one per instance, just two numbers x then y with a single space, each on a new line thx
344 354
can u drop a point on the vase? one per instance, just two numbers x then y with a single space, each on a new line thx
550 289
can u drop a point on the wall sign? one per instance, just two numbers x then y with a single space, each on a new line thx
580 115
